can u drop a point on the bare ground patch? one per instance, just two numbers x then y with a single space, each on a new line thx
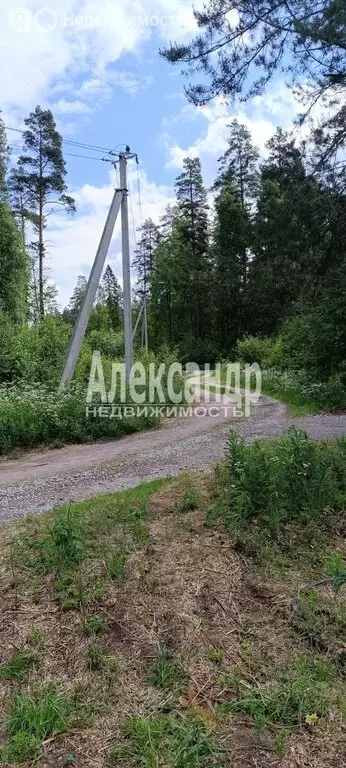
221 630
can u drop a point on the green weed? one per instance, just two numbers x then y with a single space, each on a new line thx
167 670
295 695
31 720
19 666
168 741
276 492
96 626
190 501
116 566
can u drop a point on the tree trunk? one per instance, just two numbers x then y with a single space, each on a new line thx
40 241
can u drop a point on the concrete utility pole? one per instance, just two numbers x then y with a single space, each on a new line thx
126 266
120 199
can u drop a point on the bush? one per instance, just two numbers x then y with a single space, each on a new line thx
271 486
296 388
35 415
254 349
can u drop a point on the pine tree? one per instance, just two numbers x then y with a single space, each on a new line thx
14 280
39 179
3 158
71 313
194 257
239 164
112 297
303 38
145 258
231 239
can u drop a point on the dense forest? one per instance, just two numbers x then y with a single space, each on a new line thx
252 268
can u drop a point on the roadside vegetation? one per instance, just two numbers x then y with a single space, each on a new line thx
184 622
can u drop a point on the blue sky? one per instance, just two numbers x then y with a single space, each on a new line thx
96 65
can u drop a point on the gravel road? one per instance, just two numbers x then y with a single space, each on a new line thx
39 482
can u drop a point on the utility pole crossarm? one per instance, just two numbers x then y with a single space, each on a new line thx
90 294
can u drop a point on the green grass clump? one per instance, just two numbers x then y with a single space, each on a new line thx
274 490
96 626
116 566
19 666
167 670
190 501
31 720
320 619
168 741
95 658
304 691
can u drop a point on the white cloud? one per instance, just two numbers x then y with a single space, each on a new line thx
69 107
76 238
261 115
78 37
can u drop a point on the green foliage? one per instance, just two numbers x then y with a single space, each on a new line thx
272 486
320 620
31 416
14 268
116 566
170 741
336 568
19 666
167 670
96 626
215 656
295 388
31 720
191 500
95 657
302 691
68 539
255 349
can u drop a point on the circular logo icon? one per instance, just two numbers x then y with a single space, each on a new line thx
46 20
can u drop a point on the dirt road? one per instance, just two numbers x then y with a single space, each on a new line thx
41 481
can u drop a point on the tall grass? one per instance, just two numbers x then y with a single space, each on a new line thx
272 487
36 415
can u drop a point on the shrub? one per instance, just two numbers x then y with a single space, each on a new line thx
272 485
256 349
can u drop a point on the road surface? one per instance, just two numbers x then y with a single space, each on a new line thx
39 482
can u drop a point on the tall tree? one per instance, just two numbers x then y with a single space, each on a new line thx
238 168
292 232
40 177
230 242
14 278
243 43
71 313
3 158
145 257
239 163
112 297
194 239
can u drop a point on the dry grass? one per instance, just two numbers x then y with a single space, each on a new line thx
185 589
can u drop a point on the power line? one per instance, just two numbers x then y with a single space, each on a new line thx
92 147
70 154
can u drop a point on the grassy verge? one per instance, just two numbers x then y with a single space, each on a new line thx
136 632
294 389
